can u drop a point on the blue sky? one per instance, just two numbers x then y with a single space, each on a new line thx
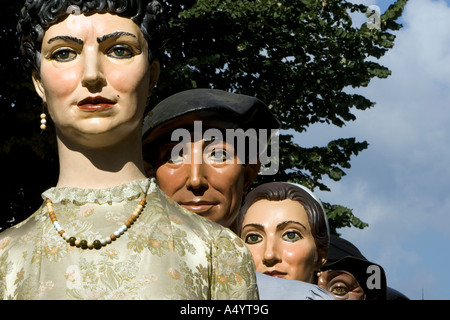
400 185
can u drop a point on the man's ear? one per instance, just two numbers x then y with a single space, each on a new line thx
38 86
154 75
250 173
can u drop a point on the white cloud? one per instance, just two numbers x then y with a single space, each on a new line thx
400 184
428 37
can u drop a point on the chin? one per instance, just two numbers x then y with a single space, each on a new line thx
98 136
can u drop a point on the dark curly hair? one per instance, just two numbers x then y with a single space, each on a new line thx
37 16
278 191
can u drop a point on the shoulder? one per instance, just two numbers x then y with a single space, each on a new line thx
271 288
19 235
187 226
19 245
229 260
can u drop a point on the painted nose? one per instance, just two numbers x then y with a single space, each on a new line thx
271 254
93 78
197 181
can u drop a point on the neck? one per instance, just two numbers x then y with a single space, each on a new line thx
100 167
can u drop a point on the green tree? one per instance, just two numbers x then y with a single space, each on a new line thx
297 56
27 157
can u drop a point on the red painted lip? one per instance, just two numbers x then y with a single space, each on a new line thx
276 274
95 103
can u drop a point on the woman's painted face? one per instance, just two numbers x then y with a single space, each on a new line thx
95 77
204 178
341 284
279 237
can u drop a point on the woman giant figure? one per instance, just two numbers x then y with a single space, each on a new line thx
286 229
105 231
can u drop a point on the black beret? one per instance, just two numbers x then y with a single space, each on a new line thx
343 255
216 108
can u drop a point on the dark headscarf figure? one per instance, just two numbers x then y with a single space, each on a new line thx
348 275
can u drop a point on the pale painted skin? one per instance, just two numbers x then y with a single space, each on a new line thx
279 237
95 77
210 184
341 284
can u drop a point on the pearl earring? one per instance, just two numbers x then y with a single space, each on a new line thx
43 121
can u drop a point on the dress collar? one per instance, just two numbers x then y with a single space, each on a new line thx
128 191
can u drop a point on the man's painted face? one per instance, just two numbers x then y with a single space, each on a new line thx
203 177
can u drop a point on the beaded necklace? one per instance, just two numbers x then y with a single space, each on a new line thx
97 244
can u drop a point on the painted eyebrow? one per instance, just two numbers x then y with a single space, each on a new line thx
280 226
255 225
114 34
79 41
284 223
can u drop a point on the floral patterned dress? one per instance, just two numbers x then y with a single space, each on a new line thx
168 253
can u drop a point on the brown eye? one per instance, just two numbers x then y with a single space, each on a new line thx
339 289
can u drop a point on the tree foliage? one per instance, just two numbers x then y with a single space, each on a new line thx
297 56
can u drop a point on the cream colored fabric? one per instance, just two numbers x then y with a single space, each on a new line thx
168 253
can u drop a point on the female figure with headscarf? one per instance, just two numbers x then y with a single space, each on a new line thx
286 229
